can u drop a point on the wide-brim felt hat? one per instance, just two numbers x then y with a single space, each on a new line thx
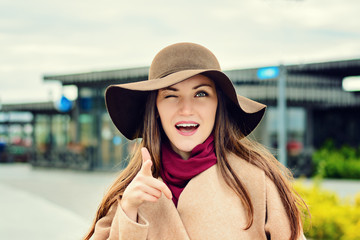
173 64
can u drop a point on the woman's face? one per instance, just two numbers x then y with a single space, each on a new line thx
187 112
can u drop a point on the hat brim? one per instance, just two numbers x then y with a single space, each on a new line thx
126 102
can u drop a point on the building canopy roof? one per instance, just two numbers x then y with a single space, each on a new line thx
35 107
101 77
307 84
339 69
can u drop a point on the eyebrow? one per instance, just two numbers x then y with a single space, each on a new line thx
202 85
196 87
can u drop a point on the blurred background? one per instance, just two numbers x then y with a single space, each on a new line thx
59 150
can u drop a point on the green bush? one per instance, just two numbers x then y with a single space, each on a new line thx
332 218
330 162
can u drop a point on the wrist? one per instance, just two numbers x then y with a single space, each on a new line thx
130 211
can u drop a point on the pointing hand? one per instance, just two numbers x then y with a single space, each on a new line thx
143 188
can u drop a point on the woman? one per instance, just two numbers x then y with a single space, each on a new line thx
195 174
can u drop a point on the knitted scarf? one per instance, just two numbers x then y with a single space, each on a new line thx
177 172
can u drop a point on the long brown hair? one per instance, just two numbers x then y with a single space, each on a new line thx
228 138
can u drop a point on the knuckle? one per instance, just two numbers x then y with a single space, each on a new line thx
144 198
138 196
140 177
136 187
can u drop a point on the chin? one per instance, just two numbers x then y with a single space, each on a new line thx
187 144
186 148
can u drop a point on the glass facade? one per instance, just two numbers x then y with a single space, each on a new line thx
51 131
296 121
113 144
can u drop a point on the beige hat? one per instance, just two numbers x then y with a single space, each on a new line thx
173 64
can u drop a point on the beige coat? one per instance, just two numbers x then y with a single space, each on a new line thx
207 209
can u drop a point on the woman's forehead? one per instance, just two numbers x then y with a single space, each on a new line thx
193 82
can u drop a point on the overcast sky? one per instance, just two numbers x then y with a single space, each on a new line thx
40 37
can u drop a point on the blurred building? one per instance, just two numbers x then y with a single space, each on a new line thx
33 132
318 108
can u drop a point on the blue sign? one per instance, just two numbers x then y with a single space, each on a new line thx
117 140
63 104
86 103
268 73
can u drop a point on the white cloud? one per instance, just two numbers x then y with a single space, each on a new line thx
68 36
56 49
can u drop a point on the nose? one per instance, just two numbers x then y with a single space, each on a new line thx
186 107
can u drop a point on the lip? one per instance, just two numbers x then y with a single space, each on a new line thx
187 133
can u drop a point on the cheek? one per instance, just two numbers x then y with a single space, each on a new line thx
210 114
161 109
211 109
164 114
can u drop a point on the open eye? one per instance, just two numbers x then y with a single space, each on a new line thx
201 94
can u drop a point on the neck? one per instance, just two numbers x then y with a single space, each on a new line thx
183 155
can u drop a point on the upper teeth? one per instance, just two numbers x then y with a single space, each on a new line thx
187 125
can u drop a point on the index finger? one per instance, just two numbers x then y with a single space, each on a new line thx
146 162
145 154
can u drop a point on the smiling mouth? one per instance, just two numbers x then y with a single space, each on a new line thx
187 127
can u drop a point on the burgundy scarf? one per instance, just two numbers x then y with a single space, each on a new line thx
177 172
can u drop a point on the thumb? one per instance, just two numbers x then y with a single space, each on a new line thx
146 162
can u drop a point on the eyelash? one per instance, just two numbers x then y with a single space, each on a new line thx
169 96
204 94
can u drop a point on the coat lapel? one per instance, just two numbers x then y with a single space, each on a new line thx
209 209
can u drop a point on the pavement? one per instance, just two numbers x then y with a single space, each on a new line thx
59 204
